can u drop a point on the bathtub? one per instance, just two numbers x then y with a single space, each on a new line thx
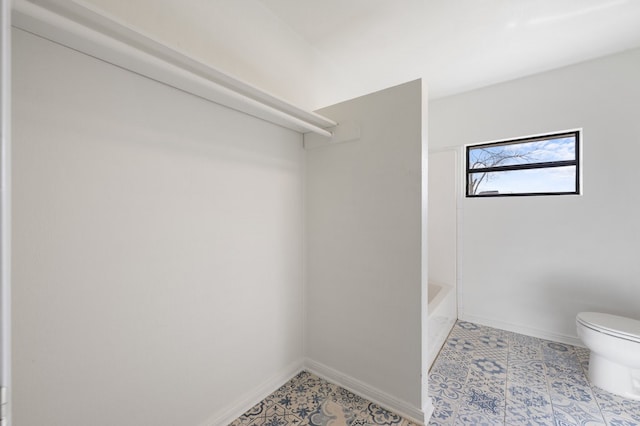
441 315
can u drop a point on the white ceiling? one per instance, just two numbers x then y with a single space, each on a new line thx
314 53
457 45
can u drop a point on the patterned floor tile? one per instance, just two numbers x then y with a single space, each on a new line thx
494 384
308 400
571 391
436 422
330 412
522 395
561 356
492 344
265 415
621 421
444 411
524 352
482 376
488 366
583 354
525 340
460 357
531 373
350 400
461 344
466 327
518 414
482 400
376 415
500 355
472 416
445 387
566 373
614 406
451 369
259 410
572 412
538 382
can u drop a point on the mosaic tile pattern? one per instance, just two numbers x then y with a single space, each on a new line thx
486 376
311 401
482 376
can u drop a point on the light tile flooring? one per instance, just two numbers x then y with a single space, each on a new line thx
482 376
485 376
309 400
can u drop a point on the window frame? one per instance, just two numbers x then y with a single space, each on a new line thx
577 134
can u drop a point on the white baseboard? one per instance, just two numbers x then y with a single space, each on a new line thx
377 396
256 395
529 331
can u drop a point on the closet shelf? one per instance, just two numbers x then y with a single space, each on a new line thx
83 28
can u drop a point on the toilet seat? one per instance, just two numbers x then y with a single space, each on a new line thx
613 325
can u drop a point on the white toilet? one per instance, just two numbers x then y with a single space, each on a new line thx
614 363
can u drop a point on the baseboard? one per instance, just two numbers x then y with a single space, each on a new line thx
256 395
517 328
369 392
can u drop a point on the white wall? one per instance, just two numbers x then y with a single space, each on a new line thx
442 236
363 212
157 247
532 263
443 205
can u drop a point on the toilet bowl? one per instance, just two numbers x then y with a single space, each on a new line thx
614 342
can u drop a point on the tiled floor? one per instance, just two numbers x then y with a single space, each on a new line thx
308 400
485 376
482 376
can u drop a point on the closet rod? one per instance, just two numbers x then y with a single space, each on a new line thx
79 27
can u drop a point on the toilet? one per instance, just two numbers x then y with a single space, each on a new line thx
614 341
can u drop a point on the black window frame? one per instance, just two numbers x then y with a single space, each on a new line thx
576 134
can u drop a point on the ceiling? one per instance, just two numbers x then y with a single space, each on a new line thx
457 45
314 53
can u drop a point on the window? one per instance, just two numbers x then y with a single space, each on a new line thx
539 165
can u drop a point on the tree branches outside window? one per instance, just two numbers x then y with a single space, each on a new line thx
487 158
534 165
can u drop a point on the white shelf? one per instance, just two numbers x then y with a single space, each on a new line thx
80 27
